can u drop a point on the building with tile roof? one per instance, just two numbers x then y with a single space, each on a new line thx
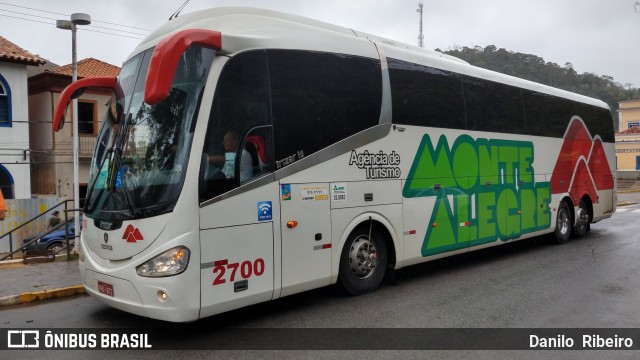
87 68
14 115
12 53
628 139
52 172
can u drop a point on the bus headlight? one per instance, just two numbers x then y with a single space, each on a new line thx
169 263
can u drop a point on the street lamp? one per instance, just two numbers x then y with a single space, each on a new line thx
76 19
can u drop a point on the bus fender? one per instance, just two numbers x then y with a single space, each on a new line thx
358 220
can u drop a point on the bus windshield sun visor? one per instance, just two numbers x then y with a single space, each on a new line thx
75 90
166 56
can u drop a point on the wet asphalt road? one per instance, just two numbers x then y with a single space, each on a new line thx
591 282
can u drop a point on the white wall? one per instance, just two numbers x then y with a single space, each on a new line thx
15 140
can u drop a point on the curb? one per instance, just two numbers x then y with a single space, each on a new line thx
626 203
41 295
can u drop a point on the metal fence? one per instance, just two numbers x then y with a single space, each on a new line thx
19 212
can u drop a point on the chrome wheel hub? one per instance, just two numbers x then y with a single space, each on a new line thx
563 221
582 216
363 257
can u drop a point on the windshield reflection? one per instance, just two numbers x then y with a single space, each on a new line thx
142 151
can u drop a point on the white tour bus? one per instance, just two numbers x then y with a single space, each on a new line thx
249 155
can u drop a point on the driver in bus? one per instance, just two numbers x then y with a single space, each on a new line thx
226 162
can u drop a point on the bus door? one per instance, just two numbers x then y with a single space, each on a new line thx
306 237
237 250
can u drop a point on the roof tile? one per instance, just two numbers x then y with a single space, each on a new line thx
10 52
88 67
632 130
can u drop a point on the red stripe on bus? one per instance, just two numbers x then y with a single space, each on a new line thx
221 262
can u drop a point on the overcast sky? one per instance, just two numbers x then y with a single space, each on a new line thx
596 36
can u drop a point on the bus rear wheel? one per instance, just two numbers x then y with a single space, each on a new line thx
363 260
583 219
563 223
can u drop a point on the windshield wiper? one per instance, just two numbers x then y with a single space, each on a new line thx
112 179
87 206
115 165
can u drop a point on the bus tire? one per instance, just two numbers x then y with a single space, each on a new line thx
563 223
363 260
583 219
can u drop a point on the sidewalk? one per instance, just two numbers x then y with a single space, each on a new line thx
23 283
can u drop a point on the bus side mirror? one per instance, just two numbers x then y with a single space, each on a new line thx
74 90
166 56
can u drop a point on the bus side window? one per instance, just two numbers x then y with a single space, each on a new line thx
240 107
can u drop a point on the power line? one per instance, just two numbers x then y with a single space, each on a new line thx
81 29
67 15
54 19
15 17
108 33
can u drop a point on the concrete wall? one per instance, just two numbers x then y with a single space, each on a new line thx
628 174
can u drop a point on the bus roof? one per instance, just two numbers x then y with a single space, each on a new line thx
245 28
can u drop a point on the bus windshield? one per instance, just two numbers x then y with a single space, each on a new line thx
142 151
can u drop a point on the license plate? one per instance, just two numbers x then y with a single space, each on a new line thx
105 288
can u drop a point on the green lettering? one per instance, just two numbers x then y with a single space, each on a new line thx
440 234
462 211
465 163
509 158
430 167
525 170
507 214
543 198
466 211
528 209
488 160
486 215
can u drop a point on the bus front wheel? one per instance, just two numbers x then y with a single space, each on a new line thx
563 223
363 260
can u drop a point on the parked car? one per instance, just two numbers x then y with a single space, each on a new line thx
53 242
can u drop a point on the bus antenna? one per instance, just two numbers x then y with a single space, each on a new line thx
175 14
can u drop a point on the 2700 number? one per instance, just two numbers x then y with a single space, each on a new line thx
247 269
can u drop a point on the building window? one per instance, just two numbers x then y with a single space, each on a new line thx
86 117
5 103
637 162
633 124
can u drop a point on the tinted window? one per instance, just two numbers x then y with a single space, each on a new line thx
319 99
549 115
599 121
238 140
425 96
493 106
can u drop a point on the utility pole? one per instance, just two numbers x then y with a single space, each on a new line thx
420 36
